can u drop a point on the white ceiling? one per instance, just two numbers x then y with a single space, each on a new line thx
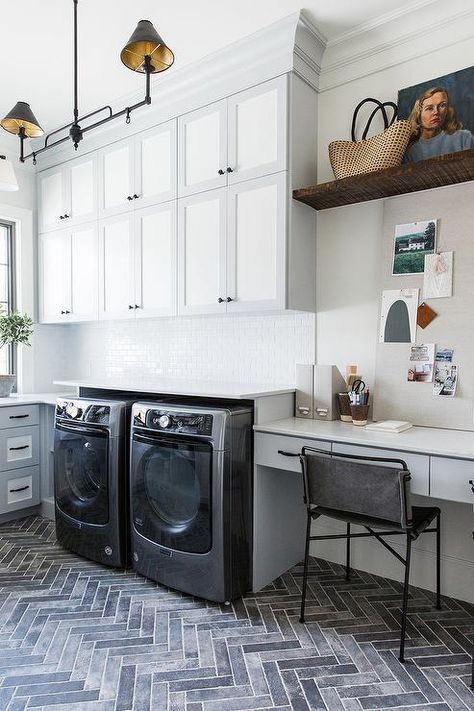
36 46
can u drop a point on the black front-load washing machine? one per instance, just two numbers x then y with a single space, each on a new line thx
91 479
191 497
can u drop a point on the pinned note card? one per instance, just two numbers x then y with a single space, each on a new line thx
438 280
398 316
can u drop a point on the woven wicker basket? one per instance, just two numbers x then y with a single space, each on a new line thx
385 150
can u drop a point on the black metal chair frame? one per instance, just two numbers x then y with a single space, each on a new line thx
310 512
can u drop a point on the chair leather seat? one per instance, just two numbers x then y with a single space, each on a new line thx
422 516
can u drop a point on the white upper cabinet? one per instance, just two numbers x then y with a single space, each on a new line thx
257 128
68 274
155 165
137 263
155 260
242 137
67 195
203 149
201 250
138 172
232 248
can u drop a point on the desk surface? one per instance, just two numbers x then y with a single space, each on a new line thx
424 440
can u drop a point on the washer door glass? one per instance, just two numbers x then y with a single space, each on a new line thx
80 473
171 492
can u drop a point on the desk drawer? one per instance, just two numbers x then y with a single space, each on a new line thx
450 479
19 447
19 489
418 464
267 446
19 416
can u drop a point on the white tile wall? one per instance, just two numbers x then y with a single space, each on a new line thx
249 349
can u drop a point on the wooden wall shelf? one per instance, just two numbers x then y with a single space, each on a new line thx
407 178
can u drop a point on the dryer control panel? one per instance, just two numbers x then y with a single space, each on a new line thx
185 422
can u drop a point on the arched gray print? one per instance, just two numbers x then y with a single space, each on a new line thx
397 325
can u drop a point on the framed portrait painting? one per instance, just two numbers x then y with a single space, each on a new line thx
441 112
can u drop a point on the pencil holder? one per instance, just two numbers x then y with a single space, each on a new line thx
344 407
359 414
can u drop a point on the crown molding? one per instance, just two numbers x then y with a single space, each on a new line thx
396 38
291 44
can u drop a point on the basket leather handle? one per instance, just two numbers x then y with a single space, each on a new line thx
380 106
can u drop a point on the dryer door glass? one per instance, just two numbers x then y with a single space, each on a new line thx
80 473
171 492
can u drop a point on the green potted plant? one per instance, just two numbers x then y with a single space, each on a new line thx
14 328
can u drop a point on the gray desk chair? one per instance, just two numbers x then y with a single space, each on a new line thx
370 492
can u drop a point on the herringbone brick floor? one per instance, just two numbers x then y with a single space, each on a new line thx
77 636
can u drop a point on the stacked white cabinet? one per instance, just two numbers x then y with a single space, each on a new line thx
193 216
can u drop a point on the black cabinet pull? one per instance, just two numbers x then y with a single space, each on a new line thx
67 312
135 196
471 481
17 417
287 454
66 216
129 197
130 306
221 172
220 301
22 488
137 306
229 299
230 170
24 446
61 217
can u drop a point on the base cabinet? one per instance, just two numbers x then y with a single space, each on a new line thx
19 458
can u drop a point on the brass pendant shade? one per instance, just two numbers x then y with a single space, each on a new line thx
146 42
21 116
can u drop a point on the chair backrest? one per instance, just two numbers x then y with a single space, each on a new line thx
359 485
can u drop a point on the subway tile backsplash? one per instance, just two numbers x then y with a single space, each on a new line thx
249 349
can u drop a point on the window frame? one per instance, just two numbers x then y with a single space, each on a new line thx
12 357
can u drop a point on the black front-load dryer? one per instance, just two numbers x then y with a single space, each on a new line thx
90 479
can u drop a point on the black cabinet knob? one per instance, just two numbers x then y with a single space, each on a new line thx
229 299
221 172
230 170
220 301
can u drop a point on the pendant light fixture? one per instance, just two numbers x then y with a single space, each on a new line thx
8 180
145 52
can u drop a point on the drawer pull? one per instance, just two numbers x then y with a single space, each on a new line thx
288 454
17 417
24 446
22 488
471 481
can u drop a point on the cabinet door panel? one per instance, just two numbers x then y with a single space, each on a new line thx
51 198
203 149
256 244
257 131
83 189
116 268
202 253
156 157
84 274
55 276
155 261
116 178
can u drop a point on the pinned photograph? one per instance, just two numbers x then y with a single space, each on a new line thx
412 243
445 379
421 366
398 315
438 282
445 354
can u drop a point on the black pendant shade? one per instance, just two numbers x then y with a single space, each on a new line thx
21 116
146 41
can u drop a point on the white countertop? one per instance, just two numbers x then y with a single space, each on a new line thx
424 440
31 399
177 386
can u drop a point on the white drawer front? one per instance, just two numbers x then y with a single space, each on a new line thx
267 447
450 479
418 464
19 416
19 447
19 489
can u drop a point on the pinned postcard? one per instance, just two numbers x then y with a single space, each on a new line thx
398 316
438 281
411 243
421 366
445 354
445 379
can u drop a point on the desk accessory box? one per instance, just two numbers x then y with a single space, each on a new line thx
317 387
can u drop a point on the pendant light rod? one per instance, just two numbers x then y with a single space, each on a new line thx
145 52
